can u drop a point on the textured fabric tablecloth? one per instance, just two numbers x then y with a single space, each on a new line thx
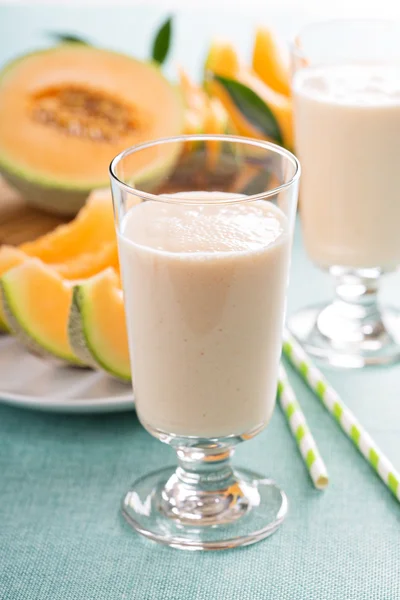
62 478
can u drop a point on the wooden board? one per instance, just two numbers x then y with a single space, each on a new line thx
20 222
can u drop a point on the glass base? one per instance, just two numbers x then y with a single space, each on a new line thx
330 333
249 510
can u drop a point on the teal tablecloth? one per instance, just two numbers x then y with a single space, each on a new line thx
62 478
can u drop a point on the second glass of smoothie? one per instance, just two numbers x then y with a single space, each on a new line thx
346 90
204 243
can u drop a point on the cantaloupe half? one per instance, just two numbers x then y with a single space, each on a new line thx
36 303
269 61
97 328
69 110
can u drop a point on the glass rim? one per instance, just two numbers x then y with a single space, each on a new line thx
198 138
295 45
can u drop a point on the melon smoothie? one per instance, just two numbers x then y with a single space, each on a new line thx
204 270
347 138
205 293
346 99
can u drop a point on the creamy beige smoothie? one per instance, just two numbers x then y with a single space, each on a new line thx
347 120
205 289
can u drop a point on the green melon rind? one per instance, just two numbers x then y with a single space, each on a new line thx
76 333
58 196
21 331
4 328
55 200
79 335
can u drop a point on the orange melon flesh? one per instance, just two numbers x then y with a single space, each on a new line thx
202 115
97 324
37 302
222 59
88 232
82 162
269 63
216 122
194 122
194 96
10 257
90 263
79 267
196 102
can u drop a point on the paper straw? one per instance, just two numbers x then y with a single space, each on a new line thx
343 415
301 432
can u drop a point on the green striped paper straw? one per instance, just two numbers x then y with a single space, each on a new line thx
343 415
301 432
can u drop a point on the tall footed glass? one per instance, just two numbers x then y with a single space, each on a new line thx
346 90
205 225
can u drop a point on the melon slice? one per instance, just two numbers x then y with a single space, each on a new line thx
72 108
88 232
79 267
216 122
97 328
221 59
90 263
203 115
36 303
269 61
279 104
9 257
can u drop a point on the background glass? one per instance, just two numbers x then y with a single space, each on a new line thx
204 333
347 121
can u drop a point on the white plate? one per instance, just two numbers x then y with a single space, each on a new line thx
40 384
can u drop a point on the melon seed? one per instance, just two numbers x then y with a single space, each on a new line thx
84 113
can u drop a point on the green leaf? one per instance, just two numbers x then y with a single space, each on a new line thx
68 38
162 42
253 108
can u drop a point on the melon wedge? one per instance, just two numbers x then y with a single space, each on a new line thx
9 257
36 303
97 328
194 96
203 115
221 59
279 104
269 61
91 228
79 267
216 122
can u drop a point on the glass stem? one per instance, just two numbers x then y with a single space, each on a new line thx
203 488
206 468
359 296
354 315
